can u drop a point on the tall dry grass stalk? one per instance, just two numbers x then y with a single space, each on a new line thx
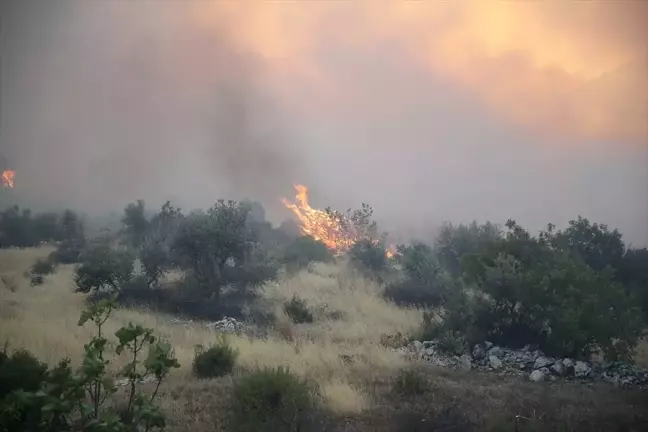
340 350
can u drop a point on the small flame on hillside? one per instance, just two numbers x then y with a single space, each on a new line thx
323 226
8 178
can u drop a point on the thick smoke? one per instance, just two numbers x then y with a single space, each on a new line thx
429 111
105 102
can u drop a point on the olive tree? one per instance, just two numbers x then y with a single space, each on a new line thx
207 241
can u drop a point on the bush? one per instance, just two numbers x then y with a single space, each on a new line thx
20 371
298 311
34 399
214 362
271 400
369 256
410 382
304 250
103 267
42 267
423 283
155 261
68 252
39 270
526 292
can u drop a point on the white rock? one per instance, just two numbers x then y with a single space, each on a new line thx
582 369
541 362
466 362
478 352
536 376
495 362
558 368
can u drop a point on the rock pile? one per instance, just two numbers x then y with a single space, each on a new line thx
225 325
527 362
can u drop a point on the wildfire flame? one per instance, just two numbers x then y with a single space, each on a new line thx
8 178
323 226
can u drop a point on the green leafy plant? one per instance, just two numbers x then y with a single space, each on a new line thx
216 361
64 399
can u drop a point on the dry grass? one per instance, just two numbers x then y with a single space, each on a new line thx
337 353
340 351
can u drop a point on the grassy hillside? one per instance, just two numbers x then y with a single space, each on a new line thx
340 351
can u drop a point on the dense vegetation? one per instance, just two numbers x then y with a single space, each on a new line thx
572 292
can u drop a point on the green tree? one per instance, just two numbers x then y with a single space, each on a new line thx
46 226
595 243
103 267
454 241
135 223
206 242
422 283
528 292
303 250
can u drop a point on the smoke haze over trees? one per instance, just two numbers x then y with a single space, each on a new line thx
106 102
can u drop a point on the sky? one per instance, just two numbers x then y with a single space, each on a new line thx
429 111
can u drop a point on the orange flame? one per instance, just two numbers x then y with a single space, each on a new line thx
8 178
324 227
318 223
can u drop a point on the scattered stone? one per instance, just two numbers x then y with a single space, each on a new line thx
145 380
496 351
495 362
514 362
582 369
558 368
541 362
537 376
465 362
478 352
488 345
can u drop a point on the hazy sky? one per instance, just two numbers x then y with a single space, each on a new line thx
429 111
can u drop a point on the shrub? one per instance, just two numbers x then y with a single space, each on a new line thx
214 362
20 370
526 292
155 260
423 283
452 342
39 270
298 311
411 382
304 250
60 399
68 252
271 400
103 267
42 267
369 256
